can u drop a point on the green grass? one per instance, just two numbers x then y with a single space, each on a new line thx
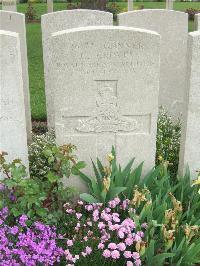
36 76
34 43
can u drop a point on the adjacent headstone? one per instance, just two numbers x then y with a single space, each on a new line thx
15 22
9 5
170 4
106 83
13 138
130 5
190 144
49 6
197 21
58 21
173 28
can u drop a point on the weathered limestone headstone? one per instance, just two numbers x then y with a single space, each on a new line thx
173 28
49 6
106 83
58 21
15 22
190 145
9 5
197 21
130 5
13 138
170 4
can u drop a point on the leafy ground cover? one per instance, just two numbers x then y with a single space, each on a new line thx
36 73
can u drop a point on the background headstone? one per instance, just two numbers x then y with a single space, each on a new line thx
15 22
169 4
130 5
106 82
13 138
58 21
49 6
9 5
197 21
173 28
190 143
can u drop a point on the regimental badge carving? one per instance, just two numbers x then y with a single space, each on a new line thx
108 117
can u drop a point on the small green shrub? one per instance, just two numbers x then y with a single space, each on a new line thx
40 197
192 12
30 12
168 141
38 161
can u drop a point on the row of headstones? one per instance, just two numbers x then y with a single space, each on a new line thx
102 83
11 5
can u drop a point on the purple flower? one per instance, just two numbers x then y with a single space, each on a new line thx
22 220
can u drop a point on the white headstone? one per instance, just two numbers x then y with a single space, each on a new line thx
58 21
106 83
190 145
197 21
49 6
15 22
13 138
170 4
9 5
173 28
130 5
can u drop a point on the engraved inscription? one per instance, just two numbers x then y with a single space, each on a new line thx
108 117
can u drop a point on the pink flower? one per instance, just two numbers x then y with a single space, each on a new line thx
141 234
120 234
127 254
137 262
121 246
88 250
69 243
101 225
125 204
115 254
85 238
144 225
112 246
89 207
106 253
89 223
83 254
129 263
136 255
69 211
80 202
78 215
129 241
101 246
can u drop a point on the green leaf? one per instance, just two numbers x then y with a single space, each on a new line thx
113 192
160 258
52 177
76 168
88 198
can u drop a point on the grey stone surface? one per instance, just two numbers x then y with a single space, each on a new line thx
58 21
173 28
15 22
190 143
49 6
9 5
197 21
13 138
106 82
130 5
170 4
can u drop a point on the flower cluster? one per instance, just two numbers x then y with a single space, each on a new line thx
107 231
20 245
